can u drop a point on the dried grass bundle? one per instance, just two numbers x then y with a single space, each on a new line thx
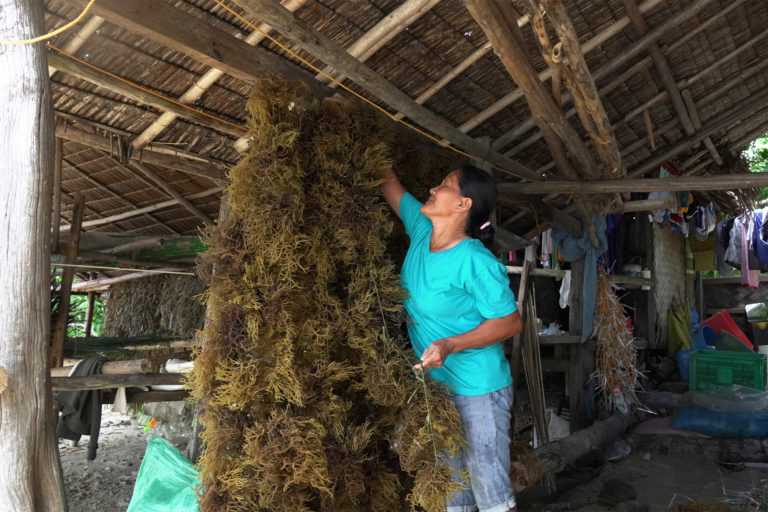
616 375
159 305
310 404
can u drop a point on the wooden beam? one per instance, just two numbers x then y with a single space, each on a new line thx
141 211
584 91
608 68
114 381
74 68
508 45
302 34
114 192
694 112
547 211
510 241
127 367
383 32
202 84
62 316
672 184
590 45
756 103
148 156
183 201
662 66
30 478
194 36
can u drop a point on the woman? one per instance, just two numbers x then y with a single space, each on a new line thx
460 308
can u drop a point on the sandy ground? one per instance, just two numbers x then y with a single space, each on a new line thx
106 484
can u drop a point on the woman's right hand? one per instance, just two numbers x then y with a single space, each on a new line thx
392 190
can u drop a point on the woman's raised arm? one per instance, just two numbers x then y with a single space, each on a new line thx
392 190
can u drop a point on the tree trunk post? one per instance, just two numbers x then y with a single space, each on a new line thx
30 475
89 315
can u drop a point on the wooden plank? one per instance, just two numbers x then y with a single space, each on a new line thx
127 367
517 342
305 36
71 67
104 283
114 381
718 182
145 397
147 155
60 324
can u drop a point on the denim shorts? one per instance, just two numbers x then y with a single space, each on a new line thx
486 419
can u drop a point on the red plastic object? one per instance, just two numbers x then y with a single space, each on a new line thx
722 321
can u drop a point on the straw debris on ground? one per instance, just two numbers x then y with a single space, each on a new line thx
309 399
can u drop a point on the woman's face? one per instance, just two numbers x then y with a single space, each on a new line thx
445 199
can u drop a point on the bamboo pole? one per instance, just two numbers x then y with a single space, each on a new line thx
105 283
141 211
152 175
693 111
78 39
60 325
383 32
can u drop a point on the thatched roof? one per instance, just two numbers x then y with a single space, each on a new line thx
717 53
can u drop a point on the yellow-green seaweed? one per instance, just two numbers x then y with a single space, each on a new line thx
305 381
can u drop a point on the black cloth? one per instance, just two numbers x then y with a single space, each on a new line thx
80 411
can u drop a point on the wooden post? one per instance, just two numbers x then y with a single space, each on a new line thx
89 314
517 341
30 474
60 325
582 362
56 210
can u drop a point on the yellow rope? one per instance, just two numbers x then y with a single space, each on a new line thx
142 88
366 100
121 268
55 32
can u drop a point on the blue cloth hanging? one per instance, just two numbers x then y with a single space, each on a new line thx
572 249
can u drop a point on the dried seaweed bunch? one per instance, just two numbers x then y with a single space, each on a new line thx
616 375
157 305
310 404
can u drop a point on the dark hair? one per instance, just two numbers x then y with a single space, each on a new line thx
480 187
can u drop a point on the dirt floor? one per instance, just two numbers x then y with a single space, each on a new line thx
106 484
660 482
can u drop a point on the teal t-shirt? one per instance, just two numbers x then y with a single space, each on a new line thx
451 292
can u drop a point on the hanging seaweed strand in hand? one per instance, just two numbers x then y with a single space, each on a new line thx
309 403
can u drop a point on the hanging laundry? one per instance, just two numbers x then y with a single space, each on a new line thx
705 221
546 248
565 290
759 238
733 252
750 278
703 252
722 240
684 200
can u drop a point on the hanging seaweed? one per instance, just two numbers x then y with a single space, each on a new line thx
310 400
616 375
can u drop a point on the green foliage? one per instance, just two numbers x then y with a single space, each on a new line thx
757 157
78 305
310 399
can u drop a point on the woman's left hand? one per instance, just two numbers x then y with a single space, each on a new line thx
435 355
